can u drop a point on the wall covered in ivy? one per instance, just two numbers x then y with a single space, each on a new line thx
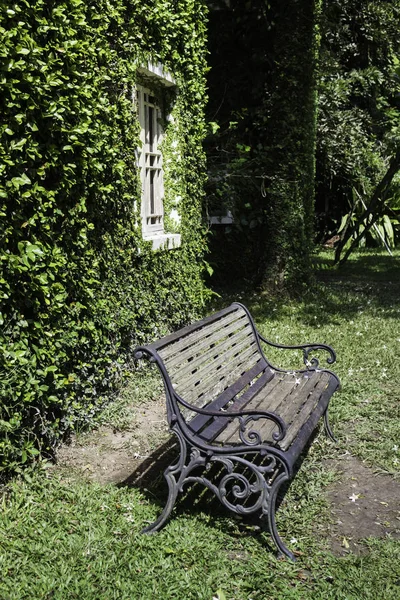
78 285
261 155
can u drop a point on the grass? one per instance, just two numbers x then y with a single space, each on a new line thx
62 537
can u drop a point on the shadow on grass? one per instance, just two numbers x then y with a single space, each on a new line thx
197 499
370 280
364 266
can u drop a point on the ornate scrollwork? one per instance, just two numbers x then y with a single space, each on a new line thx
314 362
310 364
307 348
244 489
241 489
252 437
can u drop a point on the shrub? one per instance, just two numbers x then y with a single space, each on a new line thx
79 286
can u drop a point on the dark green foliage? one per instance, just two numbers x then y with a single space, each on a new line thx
261 159
78 284
289 149
363 224
358 125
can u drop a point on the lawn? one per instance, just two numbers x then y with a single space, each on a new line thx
64 536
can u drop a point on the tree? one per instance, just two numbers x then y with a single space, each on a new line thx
358 125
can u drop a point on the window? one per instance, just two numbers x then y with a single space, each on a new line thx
150 159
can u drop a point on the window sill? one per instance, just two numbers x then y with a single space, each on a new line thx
163 241
221 219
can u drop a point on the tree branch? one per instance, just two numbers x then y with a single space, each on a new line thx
371 214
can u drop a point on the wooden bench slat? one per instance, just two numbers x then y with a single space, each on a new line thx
215 380
289 408
201 356
200 333
293 403
286 397
266 397
305 411
199 421
304 433
170 339
215 428
223 356
212 389
195 344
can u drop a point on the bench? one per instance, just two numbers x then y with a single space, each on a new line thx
241 422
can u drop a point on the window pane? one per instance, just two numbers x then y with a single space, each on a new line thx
151 128
152 211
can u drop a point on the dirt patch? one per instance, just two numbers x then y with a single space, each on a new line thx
363 504
111 456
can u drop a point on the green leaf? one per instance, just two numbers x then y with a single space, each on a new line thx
18 145
343 223
389 232
21 180
214 127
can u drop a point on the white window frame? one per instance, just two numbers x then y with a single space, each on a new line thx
150 159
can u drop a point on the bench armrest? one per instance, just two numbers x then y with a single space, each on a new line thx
245 417
307 349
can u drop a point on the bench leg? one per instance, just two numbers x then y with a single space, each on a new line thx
173 475
172 495
328 427
271 516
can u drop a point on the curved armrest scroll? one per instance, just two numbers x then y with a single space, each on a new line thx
307 349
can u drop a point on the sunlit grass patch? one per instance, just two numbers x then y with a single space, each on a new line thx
62 537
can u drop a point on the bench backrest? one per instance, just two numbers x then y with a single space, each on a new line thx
208 357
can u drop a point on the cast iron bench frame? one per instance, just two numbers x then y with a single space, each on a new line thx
240 412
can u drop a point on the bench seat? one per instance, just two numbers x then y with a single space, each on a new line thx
296 398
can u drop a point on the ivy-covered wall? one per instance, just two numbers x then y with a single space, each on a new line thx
261 155
290 146
78 285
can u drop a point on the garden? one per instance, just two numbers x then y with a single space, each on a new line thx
72 530
160 160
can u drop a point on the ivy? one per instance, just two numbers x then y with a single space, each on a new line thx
78 285
261 152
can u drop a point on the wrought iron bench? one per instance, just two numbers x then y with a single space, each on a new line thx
241 422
